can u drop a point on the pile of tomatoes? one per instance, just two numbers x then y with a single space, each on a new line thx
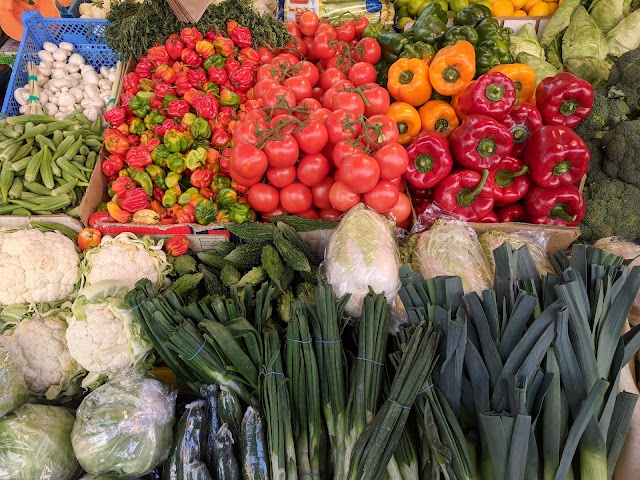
321 142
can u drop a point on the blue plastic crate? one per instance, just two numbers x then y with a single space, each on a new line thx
87 36
74 9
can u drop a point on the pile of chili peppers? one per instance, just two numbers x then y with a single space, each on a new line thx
168 141
507 161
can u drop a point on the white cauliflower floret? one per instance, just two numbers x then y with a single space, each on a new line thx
125 259
38 347
36 267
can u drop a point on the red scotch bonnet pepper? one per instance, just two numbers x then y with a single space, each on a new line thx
480 143
466 193
429 160
493 94
558 206
564 99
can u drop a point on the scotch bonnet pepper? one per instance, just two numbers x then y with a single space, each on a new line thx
466 193
522 121
492 94
480 143
564 99
429 160
556 156
510 181
557 206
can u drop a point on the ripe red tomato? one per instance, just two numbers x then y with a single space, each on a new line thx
312 138
343 84
385 129
326 28
285 122
311 104
361 73
369 50
296 47
327 98
343 149
248 161
346 31
331 76
282 153
263 86
308 23
378 99
401 210
323 47
393 160
272 98
342 125
300 86
311 213
263 197
350 101
277 212
313 169
317 93
360 24
383 197
248 130
265 72
296 198
329 214
309 70
359 172
288 58
340 62
308 41
281 177
293 29
266 56
321 193
321 114
342 198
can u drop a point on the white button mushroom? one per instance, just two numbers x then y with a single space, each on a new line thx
69 47
60 55
49 47
46 56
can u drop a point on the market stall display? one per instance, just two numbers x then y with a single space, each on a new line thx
390 290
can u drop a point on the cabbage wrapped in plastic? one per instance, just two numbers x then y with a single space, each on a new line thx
35 443
361 253
13 388
452 249
631 253
124 427
537 248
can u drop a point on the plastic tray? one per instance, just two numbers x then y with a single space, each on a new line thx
87 36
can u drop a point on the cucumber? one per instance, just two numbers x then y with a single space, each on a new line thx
226 464
253 231
291 255
186 283
212 423
254 458
187 445
230 411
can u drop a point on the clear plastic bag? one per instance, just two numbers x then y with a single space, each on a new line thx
35 443
124 427
535 240
13 388
361 253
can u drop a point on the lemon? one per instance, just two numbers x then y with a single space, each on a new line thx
540 9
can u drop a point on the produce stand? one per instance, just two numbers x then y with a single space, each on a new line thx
339 240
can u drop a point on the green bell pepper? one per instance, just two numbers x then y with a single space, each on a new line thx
185 196
143 179
226 197
436 9
176 163
392 44
472 15
490 29
382 71
240 213
460 33
423 51
205 212
373 30
215 60
159 155
491 53
196 158
200 129
429 29
136 126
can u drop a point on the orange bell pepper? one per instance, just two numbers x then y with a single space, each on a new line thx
409 81
452 68
438 115
522 76
408 120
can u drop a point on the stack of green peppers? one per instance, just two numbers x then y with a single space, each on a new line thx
429 33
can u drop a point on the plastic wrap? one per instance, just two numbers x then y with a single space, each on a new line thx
450 247
631 253
13 388
35 444
536 241
210 394
125 426
361 253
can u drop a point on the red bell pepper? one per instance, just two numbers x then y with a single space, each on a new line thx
115 141
466 193
217 75
243 78
480 143
521 121
121 185
163 89
248 55
510 181
231 65
564 99
100 217
174 46
112 165
556 156
429 160
207 106
557 206
492 94
490 217
512 213
241 36
135 199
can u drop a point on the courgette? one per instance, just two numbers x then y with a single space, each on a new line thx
230 411
187 445
254 460
226 464
212 424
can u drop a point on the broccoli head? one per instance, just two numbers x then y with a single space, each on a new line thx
596 171
612 208
605 114
624 80
622 152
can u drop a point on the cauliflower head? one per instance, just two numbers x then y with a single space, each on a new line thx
36 267
104 337
126 259
38 347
